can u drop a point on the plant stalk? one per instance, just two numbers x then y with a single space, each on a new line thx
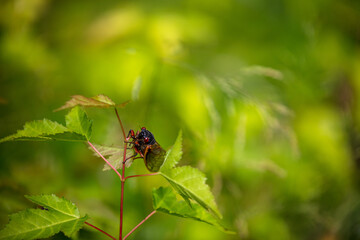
147 217
122 177
122 196
122 127
100 230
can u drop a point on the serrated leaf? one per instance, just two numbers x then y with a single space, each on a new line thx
77 121
114 155
104 99
58 204
59 215
174 155
189 182
44 130
164 200
99 101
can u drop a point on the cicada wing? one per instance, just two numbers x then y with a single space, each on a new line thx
154 157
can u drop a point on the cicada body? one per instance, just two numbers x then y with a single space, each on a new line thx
154 157
146 146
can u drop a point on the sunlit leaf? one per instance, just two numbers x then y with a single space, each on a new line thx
174 155
104 99
164 200
187 181
78 128
58 215
114 155
99 101
44 130
77 121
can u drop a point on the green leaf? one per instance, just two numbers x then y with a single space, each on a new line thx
114 155
78 128
59 215
77 121
164 200
99 101
44 130
174 155
187 181
58 204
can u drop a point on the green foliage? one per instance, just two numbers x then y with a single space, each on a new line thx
78 128
164 200
187 181
174 154
114 155
99 101
62 215
58 215
77 121
267 92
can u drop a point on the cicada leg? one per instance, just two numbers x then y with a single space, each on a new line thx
138 158
130 135
129 158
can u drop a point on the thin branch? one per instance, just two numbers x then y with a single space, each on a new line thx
122 127
142 175
148 216
122 192
122 176
121 209
92 146
100 230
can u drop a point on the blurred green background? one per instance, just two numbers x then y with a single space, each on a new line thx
266 92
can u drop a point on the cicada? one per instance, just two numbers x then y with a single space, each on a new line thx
144 144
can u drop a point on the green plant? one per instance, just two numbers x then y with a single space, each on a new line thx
58 214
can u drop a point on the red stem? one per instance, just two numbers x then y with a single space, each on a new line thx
122 127
92 146
152 213
122 193
100 230
122 176
142 175
123 179
122 196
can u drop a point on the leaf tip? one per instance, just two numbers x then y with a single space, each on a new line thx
122 105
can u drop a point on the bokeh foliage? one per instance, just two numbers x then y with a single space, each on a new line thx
266 92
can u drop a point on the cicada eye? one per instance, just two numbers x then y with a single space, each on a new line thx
146 140
143 128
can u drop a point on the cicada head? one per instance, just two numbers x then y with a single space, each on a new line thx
146 137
